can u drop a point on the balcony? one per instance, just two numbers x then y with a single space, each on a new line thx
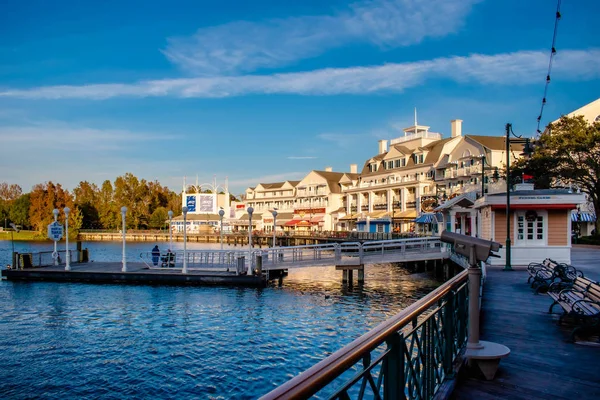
380 206
364 208
420 135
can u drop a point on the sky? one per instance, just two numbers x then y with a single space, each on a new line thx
266 91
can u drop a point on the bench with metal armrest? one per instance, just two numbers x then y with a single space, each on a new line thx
542 275
581 302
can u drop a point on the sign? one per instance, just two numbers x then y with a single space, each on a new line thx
190 203
310 210
55 231
207 202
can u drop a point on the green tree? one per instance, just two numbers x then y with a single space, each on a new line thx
19 212
108 214
569 153
86 198
158 218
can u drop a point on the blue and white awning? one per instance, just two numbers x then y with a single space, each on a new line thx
429 218
582 217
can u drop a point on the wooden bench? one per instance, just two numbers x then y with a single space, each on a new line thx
580 301
545 273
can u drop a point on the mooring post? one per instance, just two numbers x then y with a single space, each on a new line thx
259 262
345 276
361 274
350 277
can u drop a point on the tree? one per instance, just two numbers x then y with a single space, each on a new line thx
86 199
19 212
107 209
158 218
8 194
44 198
569 152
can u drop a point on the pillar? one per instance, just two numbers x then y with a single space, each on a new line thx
452 221
473 223
361 274
418 199
370 199
404 193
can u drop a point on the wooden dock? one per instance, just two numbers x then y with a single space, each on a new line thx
137 273
542 363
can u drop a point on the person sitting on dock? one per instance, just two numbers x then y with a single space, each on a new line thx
168 260
155 255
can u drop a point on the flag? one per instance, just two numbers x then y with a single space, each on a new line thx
527 177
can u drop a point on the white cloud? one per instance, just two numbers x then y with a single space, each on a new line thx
518 68
248 46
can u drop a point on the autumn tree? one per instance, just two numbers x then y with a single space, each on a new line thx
44 198
569 153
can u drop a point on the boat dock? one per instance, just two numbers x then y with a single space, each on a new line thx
138 273
543 364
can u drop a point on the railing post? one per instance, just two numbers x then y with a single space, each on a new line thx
449 331
394 381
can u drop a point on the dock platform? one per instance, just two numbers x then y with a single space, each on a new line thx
543 364
138 273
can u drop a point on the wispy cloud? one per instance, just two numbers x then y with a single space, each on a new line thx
518 68
248 46
301 157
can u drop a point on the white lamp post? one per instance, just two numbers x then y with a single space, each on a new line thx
221 213
185 210
274 212
123 259
250 211
170 229
67 256
55 254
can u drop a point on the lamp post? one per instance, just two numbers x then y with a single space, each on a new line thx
184 209
170 229
527 150
250 211
221 213
55 254
123 230
67 256
274 212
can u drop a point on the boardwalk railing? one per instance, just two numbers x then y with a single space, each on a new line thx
346 253
44 258
406 357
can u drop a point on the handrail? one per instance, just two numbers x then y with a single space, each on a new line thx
318 376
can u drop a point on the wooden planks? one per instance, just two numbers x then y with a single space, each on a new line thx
542 363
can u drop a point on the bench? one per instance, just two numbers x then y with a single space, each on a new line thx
545 273
168 260
580 301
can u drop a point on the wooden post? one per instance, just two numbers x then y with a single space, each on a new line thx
350 277
361 274
259 262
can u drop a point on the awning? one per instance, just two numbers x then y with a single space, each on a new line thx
293 222
303 223
582 217
349 217
317 219
429 218
408 214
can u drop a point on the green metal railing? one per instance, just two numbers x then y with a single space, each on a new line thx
406 357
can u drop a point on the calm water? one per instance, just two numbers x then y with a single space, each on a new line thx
60 340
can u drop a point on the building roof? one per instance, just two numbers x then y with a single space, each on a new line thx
494 142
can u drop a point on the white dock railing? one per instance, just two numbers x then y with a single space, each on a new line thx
275 258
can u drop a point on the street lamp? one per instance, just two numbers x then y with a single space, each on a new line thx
55 254
221 213
12 239
170 229
250 211
184 209
527 150
67 256
123 230
274 212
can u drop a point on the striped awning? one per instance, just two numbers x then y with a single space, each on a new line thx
583 217
429 218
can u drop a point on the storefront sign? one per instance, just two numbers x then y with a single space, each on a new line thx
310 210
190 202
206 203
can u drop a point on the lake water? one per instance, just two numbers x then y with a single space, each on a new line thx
70 340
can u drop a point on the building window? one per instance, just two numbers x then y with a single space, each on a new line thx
531 227
421 158
380 228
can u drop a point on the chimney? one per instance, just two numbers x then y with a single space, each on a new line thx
353 169
456 127
383 146
328 169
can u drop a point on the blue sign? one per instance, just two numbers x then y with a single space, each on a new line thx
191 203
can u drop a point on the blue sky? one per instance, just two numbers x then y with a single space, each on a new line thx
266 91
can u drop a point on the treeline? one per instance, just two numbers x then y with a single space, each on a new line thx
92 207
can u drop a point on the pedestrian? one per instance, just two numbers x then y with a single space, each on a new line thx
155 255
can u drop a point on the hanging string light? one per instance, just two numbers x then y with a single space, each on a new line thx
552 54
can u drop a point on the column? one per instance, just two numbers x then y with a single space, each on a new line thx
418 198
452 221
463 223
404 193
390 204
358 202
370 194
473 224
349 204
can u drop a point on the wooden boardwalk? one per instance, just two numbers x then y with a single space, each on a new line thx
542 363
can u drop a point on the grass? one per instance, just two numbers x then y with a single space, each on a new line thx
22 235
